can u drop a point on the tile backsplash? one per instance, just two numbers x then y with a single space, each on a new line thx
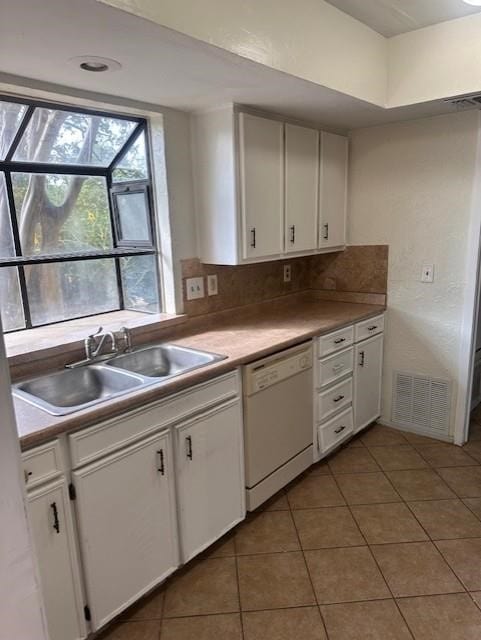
358 274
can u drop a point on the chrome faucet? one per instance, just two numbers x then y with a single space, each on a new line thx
95 343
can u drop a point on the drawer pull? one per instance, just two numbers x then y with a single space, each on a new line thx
374 326
338 399
293 233
339 340
188 442
326 231
161 467
56 523
340 429
362 358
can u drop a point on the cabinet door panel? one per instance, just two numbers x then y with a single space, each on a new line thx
261 185
127 526
210 477
332 190
367 381
301 188
52 530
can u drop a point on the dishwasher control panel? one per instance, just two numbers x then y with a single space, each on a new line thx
269 371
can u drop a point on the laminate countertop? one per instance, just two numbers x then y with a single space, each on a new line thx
243 335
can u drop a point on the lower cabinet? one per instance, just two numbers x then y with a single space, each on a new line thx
53 537
127 524
210 476
367 381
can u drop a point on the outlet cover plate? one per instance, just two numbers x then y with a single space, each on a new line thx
195 288
287 273
212 288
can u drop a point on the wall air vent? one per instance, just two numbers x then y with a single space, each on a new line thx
465 102
421 403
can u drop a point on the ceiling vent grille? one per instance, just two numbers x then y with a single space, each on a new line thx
421 403
465 102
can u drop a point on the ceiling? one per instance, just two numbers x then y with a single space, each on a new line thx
392 17
163 67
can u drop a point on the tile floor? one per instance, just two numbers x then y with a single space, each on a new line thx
381 542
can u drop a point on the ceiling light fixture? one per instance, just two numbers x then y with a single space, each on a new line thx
475 3
95 64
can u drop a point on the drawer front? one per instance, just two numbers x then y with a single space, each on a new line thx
93 442
334 367
42 464
368 328
334 399
335 431
335 341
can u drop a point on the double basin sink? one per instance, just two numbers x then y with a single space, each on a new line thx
71 390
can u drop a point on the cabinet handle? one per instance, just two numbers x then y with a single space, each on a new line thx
56 523
253 237
293 233
326 231
161 467
374 326
27 475
339 430
339 340
188 442
338 399
362 357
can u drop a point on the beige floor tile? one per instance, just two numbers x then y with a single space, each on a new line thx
355 460
274 581
387 523
224 548
320 469
266 532
415 439
445 519
313 492
446 617
328 527
474 504
446 456
145 630
420 484
379 435
464 558
148 608
415 569
345 575
224 627
465 482
476 596
354 443
398 457
284 624
276 503
473 449
366 488
376 620
205 587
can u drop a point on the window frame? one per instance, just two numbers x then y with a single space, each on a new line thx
120 249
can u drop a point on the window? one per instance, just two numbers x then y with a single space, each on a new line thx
76 226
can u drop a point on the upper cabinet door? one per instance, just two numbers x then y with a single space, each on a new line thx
333 191
301 188
261 185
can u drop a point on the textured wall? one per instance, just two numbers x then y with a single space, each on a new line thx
411 187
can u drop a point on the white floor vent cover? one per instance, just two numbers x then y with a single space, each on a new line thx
421 403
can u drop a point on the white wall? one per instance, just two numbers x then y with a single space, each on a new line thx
411 187
20 612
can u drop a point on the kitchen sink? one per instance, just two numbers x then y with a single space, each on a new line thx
163 361
74 389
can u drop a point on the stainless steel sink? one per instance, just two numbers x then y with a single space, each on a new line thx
74 389
163 361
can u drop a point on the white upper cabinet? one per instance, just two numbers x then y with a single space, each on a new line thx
261 166
301 188
333 191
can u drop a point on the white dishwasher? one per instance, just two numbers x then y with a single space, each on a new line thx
278 419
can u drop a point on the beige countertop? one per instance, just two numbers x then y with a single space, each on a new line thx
243 335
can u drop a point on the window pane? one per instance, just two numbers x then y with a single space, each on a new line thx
133 166
7 247
11 115
140 282
64 290
132 209
65 137
61 214
11 300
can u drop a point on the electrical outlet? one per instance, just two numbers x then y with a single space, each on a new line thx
287 273
427 273
212 289
194 288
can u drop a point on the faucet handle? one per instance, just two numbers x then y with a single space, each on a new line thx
99 330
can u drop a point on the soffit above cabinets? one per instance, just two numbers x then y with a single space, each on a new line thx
392 17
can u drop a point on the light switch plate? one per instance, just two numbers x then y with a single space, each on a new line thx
427 273
212 289
195 288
